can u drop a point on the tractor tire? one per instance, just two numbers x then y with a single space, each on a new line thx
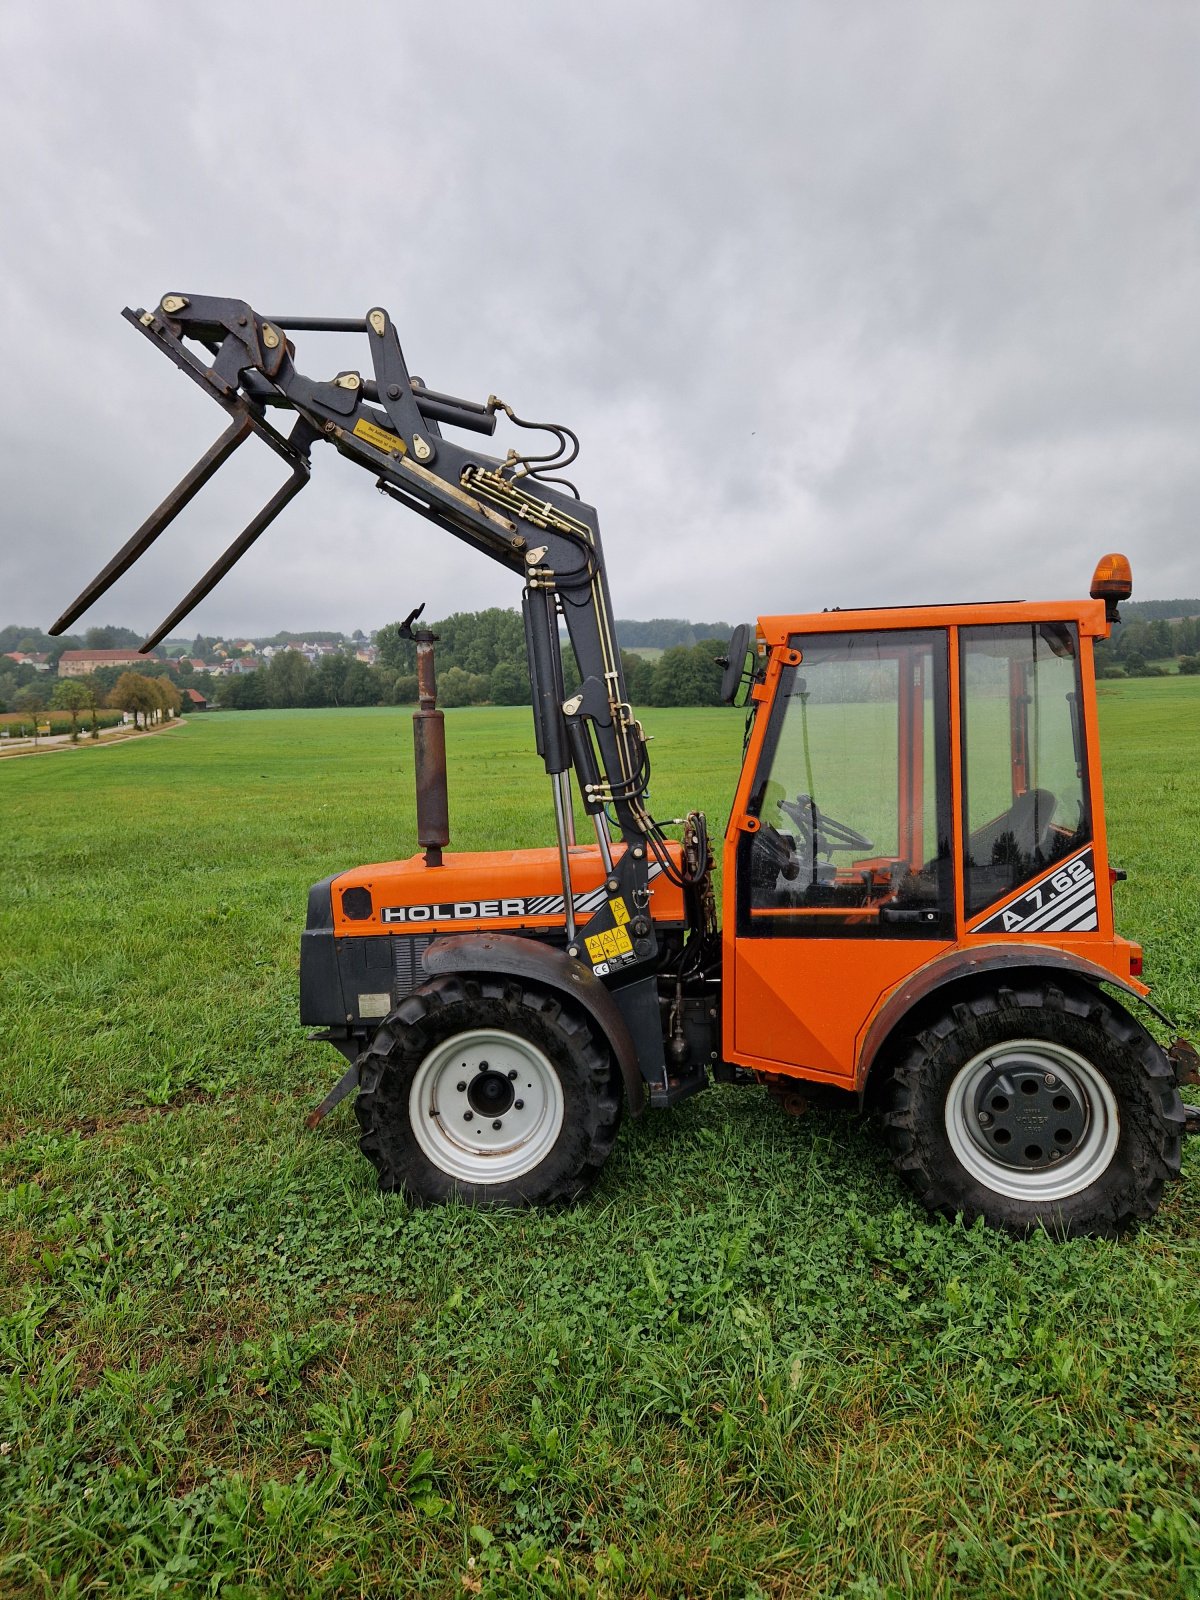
488 1091
1037 1107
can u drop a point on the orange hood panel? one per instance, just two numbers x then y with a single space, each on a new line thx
487 891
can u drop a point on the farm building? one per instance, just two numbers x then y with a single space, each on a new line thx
79 663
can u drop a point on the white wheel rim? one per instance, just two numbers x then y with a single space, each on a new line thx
453 1122
1076 1170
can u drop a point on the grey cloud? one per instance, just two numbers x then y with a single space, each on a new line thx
847 304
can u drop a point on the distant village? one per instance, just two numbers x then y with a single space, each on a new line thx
224 656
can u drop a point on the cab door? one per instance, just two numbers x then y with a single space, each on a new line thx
840 846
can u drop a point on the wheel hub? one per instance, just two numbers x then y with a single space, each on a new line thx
486 1106
1027 1118
490 1093
1032 1120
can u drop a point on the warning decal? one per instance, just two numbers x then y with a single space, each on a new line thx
1064 901
379 437
609 946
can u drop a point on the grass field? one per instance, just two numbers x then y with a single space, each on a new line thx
749 1365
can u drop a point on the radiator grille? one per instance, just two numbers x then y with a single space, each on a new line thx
407 973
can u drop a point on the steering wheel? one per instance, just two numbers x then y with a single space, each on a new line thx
821 834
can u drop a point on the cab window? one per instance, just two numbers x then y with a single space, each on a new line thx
851 794
1024 774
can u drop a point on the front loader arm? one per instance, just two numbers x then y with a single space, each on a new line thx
391 424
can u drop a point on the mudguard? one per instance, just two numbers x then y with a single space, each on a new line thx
956 965
523 958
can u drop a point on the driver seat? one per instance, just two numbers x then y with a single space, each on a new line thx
1020 833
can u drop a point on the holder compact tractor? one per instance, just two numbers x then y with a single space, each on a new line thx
917 897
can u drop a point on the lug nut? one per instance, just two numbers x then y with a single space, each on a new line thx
483 1066
497 1124
1049 1080
518 1105
512 1077
984 1118
462 1088
468 1116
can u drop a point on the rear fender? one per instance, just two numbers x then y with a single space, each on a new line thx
539 963
956 966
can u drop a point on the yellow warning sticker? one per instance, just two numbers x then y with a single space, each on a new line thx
379 437
619 910
609 945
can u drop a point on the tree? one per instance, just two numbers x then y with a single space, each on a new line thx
508 685
169 696
285 682
328 684
31 698
459 688
362 686
136 693
111 639
639 678
401 690
73 695
396 653
241 691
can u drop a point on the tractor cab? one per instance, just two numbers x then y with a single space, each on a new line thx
919 785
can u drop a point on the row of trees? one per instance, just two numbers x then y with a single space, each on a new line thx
1141 646
150 699
24 688
480 660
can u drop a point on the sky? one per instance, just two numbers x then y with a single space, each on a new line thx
849 304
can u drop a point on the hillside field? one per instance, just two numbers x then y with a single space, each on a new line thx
749 1365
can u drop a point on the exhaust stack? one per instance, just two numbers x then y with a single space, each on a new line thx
429 748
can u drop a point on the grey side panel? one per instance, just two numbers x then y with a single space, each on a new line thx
320 986
522 958
639 1006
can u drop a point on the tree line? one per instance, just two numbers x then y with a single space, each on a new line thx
85 701
480 659
1143 647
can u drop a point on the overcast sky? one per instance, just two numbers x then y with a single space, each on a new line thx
848 302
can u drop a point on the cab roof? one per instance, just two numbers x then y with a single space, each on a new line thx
1089 615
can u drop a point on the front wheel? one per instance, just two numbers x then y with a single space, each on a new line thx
1042 1106
488 1091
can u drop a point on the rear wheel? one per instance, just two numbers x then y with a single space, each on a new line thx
488 1091
1037 1107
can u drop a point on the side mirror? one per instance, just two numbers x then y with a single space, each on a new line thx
734 664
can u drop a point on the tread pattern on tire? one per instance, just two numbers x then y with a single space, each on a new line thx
455 1003
1152 1115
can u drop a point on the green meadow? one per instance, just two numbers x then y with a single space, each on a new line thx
748 1365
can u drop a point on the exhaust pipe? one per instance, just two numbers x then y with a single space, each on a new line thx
429 748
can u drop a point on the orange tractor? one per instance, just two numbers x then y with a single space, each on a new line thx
917 898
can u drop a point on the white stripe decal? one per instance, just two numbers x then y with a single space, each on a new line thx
1063 898
1081 920
1050 913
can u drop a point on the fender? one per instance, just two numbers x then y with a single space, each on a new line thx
957 964
523 958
